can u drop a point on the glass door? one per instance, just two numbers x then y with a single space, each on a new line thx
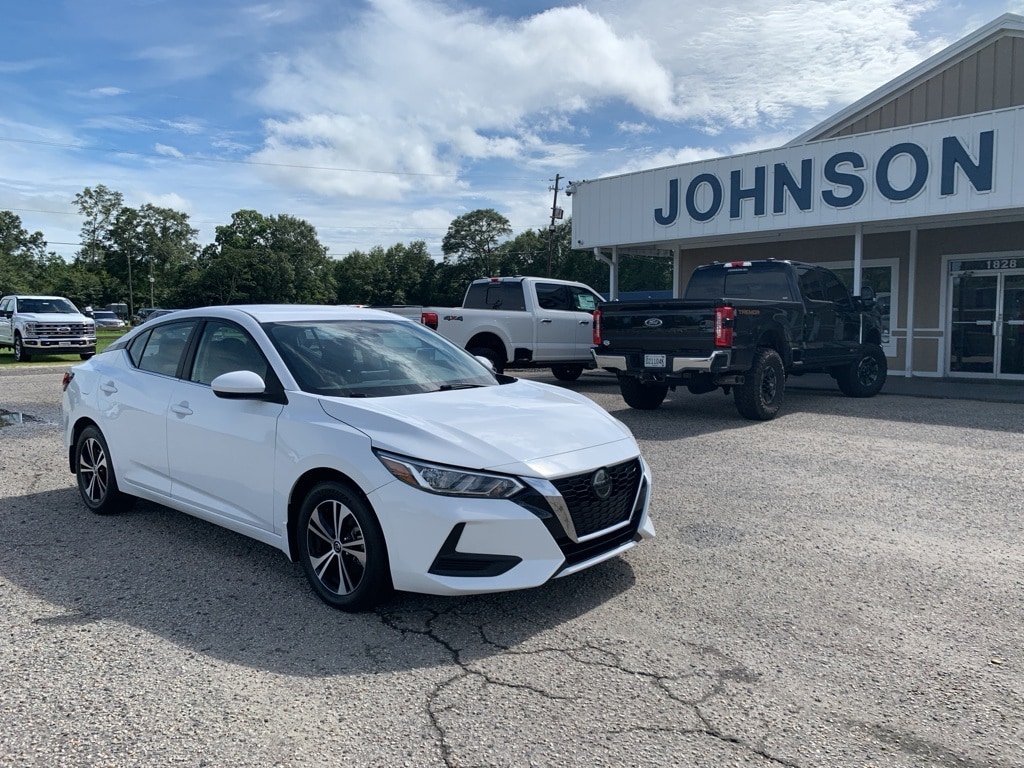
972 344
1011 327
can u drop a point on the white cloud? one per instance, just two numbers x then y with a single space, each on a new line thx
164 149
106 92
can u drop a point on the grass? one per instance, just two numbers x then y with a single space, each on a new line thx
103 340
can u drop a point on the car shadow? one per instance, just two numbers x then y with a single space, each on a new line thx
217 593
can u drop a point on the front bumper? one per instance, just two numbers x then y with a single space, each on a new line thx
59 346
449 546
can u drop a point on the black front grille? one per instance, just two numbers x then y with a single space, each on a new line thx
590 513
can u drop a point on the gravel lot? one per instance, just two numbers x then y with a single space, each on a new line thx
843 586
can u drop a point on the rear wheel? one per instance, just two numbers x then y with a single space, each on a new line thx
644 397
21 355
342 548
567 372
760 396
97 482
866 375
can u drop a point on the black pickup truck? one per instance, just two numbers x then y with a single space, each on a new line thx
743 326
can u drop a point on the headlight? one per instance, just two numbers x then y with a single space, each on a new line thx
450 481
30 329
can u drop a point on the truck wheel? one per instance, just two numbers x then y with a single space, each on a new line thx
644 397
760 396
866 375
20 353
567 372
496 359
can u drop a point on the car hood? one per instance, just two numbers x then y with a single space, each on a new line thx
525 428
52 317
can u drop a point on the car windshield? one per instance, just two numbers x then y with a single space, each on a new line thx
40 306
373 358
104 315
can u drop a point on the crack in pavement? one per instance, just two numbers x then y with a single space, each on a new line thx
706 685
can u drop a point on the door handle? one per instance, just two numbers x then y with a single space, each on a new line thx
181 409
108 389
546 320
586 322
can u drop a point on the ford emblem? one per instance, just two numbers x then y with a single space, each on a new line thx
652 322
601 484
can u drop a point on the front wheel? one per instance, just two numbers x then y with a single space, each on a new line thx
342 548
94 471
865 376
567 372
759 398
21 355
644 397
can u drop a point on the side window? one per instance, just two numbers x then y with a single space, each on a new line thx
6 307
810 287
552 296
835 291
164 348
583 301
136 348
224 347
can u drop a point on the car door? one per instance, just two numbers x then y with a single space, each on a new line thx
846 333
221 452
555 322
584 302
7 320
132 398
819 316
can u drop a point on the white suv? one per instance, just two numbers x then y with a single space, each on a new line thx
45 325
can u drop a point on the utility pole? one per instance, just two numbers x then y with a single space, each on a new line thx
556 213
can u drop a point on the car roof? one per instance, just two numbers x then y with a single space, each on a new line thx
283 313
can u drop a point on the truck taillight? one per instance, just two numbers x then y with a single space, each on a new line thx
597 328
429 319
723 326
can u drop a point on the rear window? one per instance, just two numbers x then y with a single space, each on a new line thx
755 282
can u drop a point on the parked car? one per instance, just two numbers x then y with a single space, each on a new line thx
45 325
743 326
142 313
525 322
366 446
107 319
153 314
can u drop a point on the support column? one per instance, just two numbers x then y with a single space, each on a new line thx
613 271
908 367
677 272
858 257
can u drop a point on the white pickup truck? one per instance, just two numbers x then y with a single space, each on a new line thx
522 322
45 325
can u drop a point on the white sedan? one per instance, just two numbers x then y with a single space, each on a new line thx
365 446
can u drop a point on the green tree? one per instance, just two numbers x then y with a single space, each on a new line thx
21 254
473 239
99 208
265 259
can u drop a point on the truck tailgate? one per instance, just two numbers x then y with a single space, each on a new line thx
675 326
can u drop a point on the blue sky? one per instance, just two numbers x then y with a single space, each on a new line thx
381 121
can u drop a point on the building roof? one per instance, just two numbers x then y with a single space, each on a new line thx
1007 25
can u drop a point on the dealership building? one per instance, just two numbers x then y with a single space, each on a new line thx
916 190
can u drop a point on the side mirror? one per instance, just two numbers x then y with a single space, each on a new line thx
485 362
239 385
867 297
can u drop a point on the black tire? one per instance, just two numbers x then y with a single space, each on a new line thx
86 355
760 396
21 355
496 358
567 372
864 377
342 548
94 471
643 397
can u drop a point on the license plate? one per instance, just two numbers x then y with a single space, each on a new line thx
654 361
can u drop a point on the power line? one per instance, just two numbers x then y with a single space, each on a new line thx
201 159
